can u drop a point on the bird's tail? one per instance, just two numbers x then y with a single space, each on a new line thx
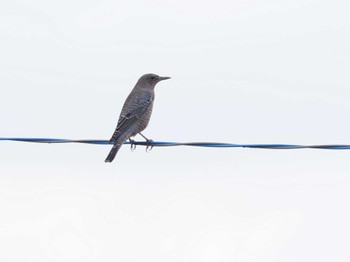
117 145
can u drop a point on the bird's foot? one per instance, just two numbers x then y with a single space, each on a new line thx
149 145
132 144
148 142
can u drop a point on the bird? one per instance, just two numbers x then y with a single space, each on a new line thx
135 114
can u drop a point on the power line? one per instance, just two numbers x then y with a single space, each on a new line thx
168 144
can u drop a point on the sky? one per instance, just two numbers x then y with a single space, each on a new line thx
250 71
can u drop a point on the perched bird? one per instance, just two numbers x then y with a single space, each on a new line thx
135 113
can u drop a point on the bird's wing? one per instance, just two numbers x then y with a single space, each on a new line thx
137 107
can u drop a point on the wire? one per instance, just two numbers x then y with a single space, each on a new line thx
167 144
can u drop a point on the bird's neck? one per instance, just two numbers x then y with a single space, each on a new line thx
144 87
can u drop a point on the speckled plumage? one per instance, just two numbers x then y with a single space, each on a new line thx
136 112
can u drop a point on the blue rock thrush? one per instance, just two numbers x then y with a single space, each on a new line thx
135 113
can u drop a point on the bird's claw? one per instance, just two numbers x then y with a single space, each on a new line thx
132 145
149 146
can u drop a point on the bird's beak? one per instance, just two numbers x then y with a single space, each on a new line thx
164 78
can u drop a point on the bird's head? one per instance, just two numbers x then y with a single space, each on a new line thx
151 79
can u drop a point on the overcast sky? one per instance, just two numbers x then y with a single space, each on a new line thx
243 71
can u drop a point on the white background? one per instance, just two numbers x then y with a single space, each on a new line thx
250 71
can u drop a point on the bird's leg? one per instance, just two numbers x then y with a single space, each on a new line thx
132 144
149 141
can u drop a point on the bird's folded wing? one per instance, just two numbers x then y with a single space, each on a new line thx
127 120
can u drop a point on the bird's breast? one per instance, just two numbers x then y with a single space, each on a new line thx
144 119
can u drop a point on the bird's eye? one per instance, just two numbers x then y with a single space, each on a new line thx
153 77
